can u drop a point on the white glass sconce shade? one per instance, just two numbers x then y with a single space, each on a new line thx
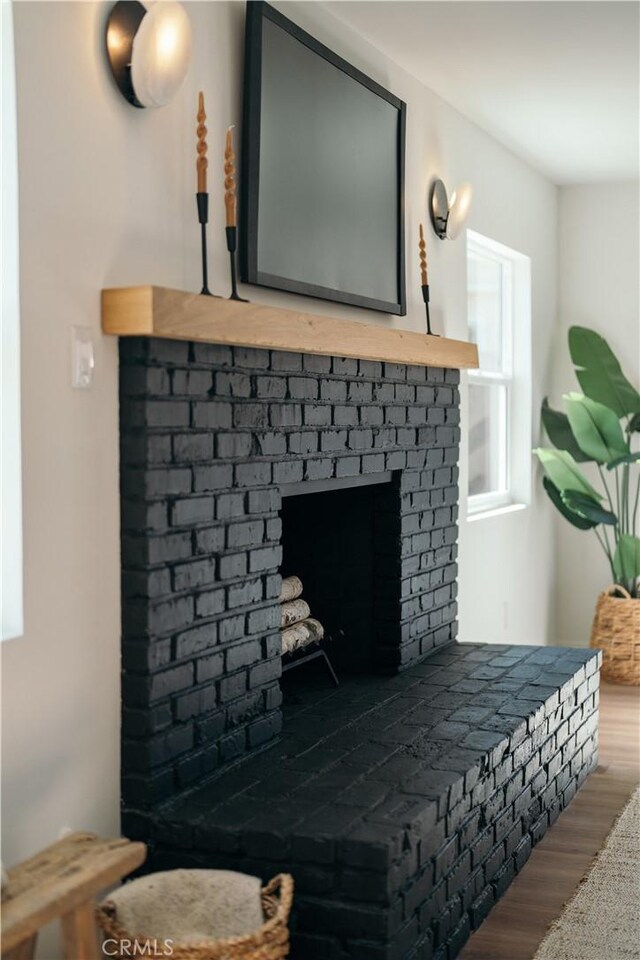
459 208
161 53
149 50
448 217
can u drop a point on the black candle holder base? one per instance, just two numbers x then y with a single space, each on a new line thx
202 200
425 297
205 280
232 243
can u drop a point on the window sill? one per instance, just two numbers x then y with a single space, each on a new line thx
490 512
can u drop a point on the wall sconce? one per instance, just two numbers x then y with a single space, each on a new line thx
149 49
448 217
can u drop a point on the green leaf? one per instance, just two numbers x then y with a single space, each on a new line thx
559 432
599 372
588 508
626 561
561 469
628 458
634 424
556 498
596 428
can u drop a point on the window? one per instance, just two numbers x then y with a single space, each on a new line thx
11 489
499 392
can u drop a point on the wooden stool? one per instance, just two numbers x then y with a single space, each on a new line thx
61 883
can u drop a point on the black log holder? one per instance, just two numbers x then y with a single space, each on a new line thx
312 652
203 217
425 297
232 243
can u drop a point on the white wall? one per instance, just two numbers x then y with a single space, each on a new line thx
106 199
599 286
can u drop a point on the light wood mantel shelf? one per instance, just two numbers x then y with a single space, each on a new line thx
160 312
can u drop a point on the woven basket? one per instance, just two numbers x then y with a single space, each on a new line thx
616 631
270 942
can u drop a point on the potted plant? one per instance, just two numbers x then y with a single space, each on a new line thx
599 427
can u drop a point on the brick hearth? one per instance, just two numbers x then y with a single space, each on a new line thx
404 807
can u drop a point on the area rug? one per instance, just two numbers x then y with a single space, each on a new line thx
602 920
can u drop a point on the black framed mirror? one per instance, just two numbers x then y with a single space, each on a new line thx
322 204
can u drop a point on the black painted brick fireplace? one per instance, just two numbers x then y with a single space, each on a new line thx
209 436
405 800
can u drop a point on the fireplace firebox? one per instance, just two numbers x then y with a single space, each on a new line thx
341 542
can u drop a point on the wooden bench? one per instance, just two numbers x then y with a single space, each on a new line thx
62 883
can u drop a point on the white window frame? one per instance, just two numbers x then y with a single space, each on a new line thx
515 377
11 599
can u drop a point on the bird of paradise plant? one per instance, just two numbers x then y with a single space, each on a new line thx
599 427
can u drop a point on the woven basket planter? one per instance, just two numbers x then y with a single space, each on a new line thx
269 942
616 631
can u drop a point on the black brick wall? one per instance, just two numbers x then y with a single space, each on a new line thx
207 436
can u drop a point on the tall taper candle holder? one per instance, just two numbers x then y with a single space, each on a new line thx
425 297
202 200
232 244
202 197
424 276
230 208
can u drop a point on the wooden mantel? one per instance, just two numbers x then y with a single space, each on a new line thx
160 312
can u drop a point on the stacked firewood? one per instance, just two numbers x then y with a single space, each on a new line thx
298 627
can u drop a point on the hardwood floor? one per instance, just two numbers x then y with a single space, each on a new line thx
518 923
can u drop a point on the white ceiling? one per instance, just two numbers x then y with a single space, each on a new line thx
557 81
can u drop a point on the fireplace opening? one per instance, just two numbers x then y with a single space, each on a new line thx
342 544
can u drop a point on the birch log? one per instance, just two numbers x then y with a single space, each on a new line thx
293 612
301 635
291 589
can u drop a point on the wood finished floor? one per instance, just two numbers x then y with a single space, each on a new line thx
518 923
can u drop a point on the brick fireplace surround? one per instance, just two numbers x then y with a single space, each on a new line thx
404 801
